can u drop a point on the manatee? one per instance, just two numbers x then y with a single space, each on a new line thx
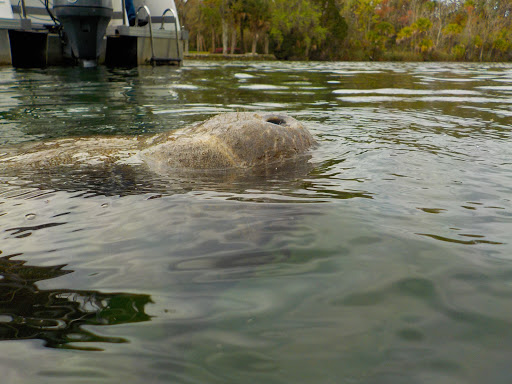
239 140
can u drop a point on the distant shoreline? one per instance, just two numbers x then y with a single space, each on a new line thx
220 56
271 57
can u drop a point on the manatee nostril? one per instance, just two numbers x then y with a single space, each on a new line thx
276 121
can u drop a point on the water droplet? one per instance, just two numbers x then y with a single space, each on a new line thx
30 216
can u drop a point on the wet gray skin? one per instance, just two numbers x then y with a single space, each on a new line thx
243 140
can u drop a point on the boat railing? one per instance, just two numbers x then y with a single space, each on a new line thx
174 19
145 7
123 11
23 9
175 28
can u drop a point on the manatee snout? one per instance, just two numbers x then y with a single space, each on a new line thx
240 140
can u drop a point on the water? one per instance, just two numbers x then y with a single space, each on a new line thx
389 261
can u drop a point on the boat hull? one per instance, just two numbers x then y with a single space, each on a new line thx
25 42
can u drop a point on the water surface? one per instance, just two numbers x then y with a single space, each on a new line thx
388 260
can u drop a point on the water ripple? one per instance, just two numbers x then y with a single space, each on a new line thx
385 258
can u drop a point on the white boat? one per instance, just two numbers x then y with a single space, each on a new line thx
36 33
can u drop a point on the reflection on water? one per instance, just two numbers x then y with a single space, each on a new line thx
59 316
383 258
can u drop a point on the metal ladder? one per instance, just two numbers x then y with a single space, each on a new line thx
161 60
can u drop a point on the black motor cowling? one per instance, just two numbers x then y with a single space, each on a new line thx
85 23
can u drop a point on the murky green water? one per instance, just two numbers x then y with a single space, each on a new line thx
390 261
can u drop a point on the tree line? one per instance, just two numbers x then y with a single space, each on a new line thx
473 30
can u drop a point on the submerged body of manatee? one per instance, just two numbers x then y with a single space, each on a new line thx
383 256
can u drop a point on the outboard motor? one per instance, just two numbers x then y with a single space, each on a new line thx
85 23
